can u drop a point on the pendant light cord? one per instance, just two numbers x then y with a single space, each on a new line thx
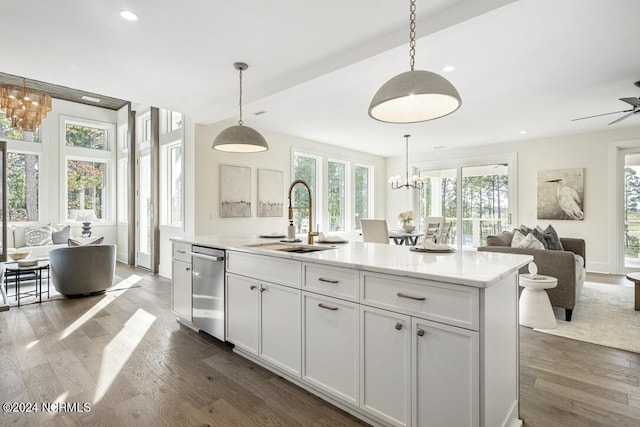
240 122
412 34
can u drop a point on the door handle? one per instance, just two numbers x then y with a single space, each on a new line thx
207 257
401 295
322 279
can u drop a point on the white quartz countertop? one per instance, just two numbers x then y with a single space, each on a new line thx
467 267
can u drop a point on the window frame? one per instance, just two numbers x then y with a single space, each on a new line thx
168 140
107 156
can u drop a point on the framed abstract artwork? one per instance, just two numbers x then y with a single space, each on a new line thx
270 193
235 191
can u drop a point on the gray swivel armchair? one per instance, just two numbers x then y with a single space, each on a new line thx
83 270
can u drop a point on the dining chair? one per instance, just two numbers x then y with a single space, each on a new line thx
375 230
431 227
442 235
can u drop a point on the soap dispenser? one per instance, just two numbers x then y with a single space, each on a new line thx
291 232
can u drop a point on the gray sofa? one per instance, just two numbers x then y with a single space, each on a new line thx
82 270
568 268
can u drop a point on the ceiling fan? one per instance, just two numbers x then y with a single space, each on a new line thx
634 102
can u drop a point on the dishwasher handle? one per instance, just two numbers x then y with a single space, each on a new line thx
207 257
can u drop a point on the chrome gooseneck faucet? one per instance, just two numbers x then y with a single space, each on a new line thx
310 234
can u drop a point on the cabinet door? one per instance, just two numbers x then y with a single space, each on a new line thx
280 326
242 312
181 289
446 375
385 367
330 346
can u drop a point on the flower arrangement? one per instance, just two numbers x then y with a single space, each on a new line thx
405 217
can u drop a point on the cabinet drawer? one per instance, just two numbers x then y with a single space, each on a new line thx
442 302
181 252
272 269
333 281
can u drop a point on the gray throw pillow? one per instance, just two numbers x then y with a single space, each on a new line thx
61 236
96 241
553 241
503 239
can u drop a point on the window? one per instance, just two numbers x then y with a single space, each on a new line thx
170 121
306 168
347 194
6 131
22 186
86 185
171 183
336 200
362 199
88 154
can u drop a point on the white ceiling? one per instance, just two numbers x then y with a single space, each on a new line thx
313 66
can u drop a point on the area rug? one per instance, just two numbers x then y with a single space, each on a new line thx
604 315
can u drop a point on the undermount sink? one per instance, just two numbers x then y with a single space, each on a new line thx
298 249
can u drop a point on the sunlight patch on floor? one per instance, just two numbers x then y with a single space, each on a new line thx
31 344
120 348
109 297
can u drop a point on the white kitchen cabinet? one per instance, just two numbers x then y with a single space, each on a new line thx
446 375
280 324
330 346
242 312
181 281
264 319
385 365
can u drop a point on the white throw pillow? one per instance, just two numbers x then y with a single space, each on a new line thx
530 242
517 238
38 236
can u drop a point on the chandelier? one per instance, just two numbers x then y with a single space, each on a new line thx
415 95
23 106
416 182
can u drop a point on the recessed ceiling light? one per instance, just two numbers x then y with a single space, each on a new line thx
129 16
522 132
448 69
90 98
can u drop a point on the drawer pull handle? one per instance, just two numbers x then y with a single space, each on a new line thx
181 251
322 279
398 326
327 307
420 332
252 287
401 295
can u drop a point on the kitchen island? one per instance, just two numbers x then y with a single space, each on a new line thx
392 336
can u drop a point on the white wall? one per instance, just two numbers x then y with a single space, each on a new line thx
278 157
589 151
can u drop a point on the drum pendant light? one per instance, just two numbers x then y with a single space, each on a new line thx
240 138
416 95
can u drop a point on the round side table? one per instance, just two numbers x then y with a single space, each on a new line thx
535 307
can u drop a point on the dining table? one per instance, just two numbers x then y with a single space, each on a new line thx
401 237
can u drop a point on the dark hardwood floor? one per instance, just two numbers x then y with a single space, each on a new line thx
126 355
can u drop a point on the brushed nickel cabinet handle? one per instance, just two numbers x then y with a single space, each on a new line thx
252 287
401 295
327 307
420 332
398 325
181 251
322 279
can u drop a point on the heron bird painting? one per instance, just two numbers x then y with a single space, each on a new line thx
561 194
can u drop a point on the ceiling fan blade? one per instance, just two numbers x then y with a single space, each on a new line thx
599 115
632 101
623 117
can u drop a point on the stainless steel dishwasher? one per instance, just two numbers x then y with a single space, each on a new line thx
208 290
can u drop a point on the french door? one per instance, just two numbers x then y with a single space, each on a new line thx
476 196
144 201
630 209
